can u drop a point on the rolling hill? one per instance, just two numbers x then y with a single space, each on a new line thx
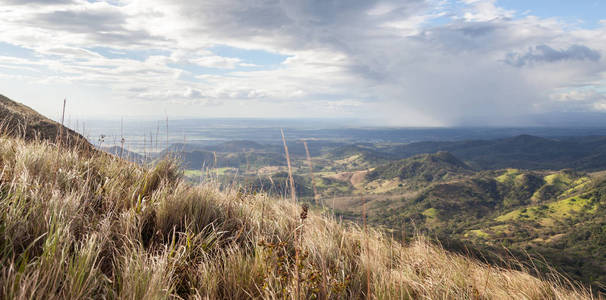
424 167
124 154
521 152
555 215
195 160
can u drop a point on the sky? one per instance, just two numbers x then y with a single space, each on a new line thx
391 63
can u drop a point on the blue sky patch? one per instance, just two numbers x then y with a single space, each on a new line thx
139 55
588 12
7 49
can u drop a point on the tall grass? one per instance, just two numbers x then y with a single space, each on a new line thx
75 226
311 172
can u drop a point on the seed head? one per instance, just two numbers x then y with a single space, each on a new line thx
305 208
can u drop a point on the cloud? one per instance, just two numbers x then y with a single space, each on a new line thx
416 62
217 62
485 10
36 2
85 21
544 53
587 95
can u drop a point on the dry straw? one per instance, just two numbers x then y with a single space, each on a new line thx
311 172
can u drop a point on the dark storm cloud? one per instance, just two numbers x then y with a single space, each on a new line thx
82 21
295 24
324 12
544 53
477 30
106 27
468 36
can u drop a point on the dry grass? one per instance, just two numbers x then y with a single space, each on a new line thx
80 227
19 120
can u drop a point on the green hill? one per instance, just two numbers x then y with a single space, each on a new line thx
485 194
522 152
124 154
354 157
195 160
555 215
236 146
425 167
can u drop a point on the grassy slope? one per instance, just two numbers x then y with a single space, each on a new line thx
20 120
74 226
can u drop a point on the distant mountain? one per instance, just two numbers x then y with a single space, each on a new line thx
367 151
523 152
194 160
181 147
236 146
424 167
223 147
22 121
279 184
356 157
124 153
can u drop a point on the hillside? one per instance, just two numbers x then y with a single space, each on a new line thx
424 167
124 154
355 157
555 215
195 160
20 120
521 152
452 205
95 226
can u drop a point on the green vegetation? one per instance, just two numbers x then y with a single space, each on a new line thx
526 211
520 152
430 212
196 160
478 233
426 167
509 176
556 210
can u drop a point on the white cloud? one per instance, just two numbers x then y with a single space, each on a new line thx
485 10
216 62
389 60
